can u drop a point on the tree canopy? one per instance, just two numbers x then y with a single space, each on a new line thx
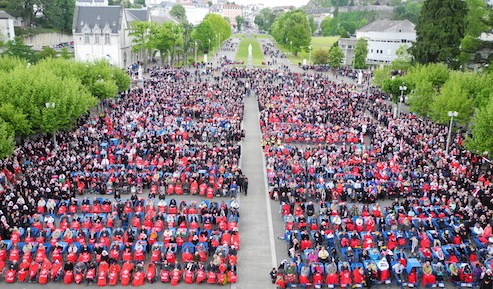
439 32
293 27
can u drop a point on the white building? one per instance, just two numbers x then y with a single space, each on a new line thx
6 26
385 37
100 32
196 12
91 3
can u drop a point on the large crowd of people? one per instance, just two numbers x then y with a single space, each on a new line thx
63 217
332 153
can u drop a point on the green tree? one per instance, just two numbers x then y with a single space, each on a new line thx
392 86
336 56
178 11
58 14
360 53
439 32
381 74
165 38
330 26
292 26
8 63
482 130
47 52
240 20
311 22
140 31
16 120
17 48
26 9
219 25
452 97
320 56
409 11
403 60
29 89
264 19
7 143
202 33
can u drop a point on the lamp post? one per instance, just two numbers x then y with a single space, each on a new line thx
209 44
52 105
291 42
452 114
195 51
219 41
310 55
402 88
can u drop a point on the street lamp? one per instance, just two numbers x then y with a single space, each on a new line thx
219 41
291 42
52 105
310 55
402 88
209 44
452 114
195 51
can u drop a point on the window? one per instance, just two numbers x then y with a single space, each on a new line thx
107 39
87 39
96 39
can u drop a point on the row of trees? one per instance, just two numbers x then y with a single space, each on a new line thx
51 94
292 30
335 56
177 41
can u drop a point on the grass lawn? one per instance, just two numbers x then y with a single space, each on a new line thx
253 36
324 41
256 51
255 61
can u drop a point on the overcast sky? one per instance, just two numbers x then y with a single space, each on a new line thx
272 3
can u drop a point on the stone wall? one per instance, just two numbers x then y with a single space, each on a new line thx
47 39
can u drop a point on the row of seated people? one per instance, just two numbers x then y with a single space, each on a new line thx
109 272
402 272
151 221
133 205
139 251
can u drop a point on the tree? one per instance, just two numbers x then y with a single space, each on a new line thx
292 26
427 81
330 26
265 18
47 52
165 38
219 25
178 11
140 30
360 53
58 14
240 20
481 130
311 22
202 33
336 56
452 97
7 143
320 56
8 63
17 48
381 74
16 121
29 89
439 31
409 11
403 60
26 9
392 86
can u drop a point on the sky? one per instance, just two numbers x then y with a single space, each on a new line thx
272 3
